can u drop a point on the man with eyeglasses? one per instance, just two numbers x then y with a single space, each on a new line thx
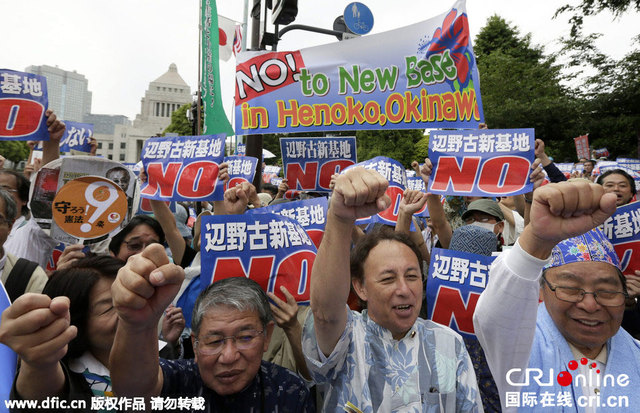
576 331
231 329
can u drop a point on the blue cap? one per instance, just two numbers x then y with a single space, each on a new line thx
591 246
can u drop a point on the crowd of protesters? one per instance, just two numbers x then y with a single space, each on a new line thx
105 322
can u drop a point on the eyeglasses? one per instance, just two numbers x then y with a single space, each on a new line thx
214 344
8 189
575 295
137 245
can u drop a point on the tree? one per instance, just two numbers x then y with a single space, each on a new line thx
179 122
610 95
421 150
15 151
522 88
593 7
395 144
497 35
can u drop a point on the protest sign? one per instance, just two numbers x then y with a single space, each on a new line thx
52 178
484 162
623 230
182 168
89 207
456 280
600 153
23 102
309 163
566 168
311 214
392 171
422 75
76 137
269 172
417 183
241 169
582 146
52 262
241 149
633 164
271 249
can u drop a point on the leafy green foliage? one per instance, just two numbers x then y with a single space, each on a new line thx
396 144
15 151
522 88
592 7
179 122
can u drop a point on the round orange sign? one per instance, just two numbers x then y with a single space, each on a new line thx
89 207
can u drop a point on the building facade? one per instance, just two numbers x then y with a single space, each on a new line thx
163 97
68 92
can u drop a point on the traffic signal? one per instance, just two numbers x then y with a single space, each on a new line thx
284 11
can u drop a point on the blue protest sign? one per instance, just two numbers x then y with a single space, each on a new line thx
271 249
241 149
183 168
394 172
565 167
309 163
240 169
269 172
76 136
311 214
456 280
417 183
23 102
633 164
623 230
484 162
8 358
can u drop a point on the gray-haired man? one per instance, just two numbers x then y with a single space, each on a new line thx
232 326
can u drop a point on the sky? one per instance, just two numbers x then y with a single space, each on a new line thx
120 46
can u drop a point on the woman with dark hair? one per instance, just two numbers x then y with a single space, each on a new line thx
65 334
619 182
141 231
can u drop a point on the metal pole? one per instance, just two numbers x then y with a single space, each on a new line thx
254 142
245 24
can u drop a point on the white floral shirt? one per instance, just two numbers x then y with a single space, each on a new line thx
429 370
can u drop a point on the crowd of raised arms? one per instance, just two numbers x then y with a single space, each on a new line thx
105 324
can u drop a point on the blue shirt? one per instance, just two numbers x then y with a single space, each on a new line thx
273 389
428 370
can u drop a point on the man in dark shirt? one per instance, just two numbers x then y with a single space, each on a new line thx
232 326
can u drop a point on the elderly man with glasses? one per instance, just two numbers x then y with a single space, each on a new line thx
567 353
231 329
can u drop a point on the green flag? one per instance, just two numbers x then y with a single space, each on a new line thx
215 120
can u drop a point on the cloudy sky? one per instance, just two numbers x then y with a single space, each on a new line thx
122 45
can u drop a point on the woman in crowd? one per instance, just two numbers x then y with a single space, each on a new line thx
65 334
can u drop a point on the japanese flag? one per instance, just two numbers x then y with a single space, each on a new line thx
226 35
